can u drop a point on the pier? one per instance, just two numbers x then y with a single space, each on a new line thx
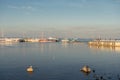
114 43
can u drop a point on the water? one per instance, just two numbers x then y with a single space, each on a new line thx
58 61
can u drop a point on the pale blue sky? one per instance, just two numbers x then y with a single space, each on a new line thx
67 18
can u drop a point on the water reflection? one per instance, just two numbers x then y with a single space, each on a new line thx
65 45
57 61
42 47
30 73
105 48
86 74
2 44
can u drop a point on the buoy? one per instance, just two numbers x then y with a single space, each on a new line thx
86 69
30 69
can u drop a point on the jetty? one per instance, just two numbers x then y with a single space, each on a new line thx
114 43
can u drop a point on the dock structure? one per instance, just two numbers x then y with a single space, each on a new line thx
114 43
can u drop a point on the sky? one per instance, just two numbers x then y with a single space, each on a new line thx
60 18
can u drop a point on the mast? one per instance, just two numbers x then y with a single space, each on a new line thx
42 37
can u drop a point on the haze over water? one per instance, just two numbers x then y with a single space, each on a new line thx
57 61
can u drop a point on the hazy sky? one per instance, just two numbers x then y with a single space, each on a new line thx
67 18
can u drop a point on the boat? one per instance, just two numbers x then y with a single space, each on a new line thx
65 40
44 40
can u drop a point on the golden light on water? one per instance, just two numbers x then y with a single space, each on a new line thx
105 48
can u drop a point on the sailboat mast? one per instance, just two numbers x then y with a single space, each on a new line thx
42 35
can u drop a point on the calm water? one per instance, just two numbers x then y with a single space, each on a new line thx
57 61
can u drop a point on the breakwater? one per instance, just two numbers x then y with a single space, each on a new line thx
115 43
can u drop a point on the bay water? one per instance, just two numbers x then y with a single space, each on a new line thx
58 61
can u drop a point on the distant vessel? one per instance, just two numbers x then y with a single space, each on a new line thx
65 40
9 39
31 40
44 40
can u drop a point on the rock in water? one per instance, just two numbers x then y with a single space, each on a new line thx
30 69
86 69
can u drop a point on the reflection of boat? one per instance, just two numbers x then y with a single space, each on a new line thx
5 43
